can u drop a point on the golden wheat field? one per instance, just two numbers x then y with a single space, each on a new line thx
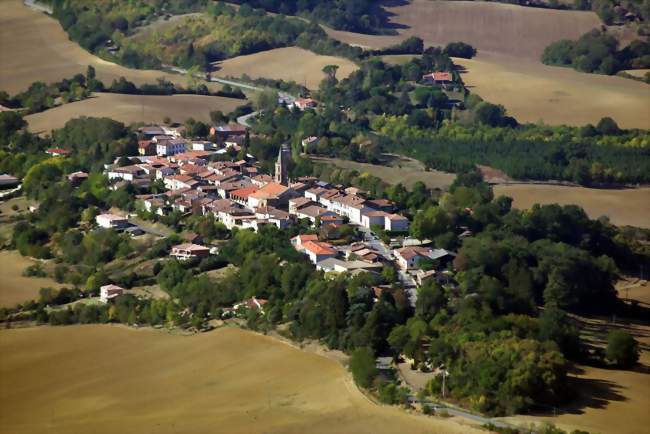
290 64
507 70
622 207
133 108
113 379
34 47
533 92
16 288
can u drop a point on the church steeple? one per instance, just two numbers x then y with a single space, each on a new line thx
282 165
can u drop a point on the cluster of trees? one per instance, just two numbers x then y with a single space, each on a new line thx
588 155
598 52
364 16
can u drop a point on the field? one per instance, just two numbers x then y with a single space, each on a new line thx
535 92
133 108
15 288
401 169
491 27
623 207
44 53
639 73
290 63
510 40
109 379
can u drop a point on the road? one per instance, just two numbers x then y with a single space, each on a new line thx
149 227
38 6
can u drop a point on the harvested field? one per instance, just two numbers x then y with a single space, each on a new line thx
510 40
499 28
44 53
290 63
639 73
133 108
623 207
534 92
15 288
400 170
109 379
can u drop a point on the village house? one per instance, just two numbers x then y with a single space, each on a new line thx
409 257
58 152
252 303
77 178
125 173
442 78
334 265
318 251
8 180
273 216
272 194
303 104
309 143
109 292
146 147
299 202
111 221
189 251
170 147
298 241
313 212
225 132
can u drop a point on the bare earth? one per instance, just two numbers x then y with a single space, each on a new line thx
534 92
133 108
290 64
110 379
510 40
623 207
403 170
34 47
14 287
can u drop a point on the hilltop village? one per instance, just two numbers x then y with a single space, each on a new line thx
221 180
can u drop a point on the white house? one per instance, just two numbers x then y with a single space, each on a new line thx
109 292
188 251
318 251
168 148
111 221
409 257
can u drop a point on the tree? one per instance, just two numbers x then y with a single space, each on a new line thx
622 349
608 127
330 71
363 366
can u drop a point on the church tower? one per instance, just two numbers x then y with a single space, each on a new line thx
282 165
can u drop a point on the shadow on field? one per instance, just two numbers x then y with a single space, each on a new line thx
386 16
593 393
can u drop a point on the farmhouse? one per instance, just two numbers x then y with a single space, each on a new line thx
7 180
298 241
303 104
188 251
437 78
109 292
111 221
58 152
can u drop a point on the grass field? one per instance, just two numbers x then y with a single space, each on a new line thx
133 108
623 207
109 379
404 170
290 63
14 288
639 73
535 92
44 53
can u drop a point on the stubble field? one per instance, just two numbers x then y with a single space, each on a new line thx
14 287
290 64
623 207
133 108
109 379
34 47
510 40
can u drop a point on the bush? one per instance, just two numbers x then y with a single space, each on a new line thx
460 49
622 349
